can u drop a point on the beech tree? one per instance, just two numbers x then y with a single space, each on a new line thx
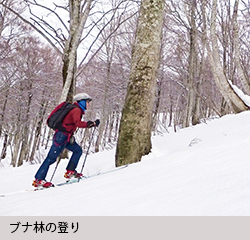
134 139
234 101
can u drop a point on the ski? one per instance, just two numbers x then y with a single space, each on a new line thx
71 181
75 180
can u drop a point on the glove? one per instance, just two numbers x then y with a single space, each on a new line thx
93 124
90 124
97 122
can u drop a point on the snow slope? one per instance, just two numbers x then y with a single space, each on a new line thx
199 171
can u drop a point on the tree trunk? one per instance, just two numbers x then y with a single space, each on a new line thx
41 115
4 149
24 151
157 106
78 18
243 79
16 144
193 101
220 79
191 72
105 110
3 111
134 139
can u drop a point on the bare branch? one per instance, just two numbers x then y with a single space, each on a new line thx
50 10
89 49
58 41
33 26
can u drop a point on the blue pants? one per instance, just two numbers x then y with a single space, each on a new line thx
60 141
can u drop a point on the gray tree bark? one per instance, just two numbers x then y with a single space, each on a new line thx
221 81
192 69
243 78
134 139
78 17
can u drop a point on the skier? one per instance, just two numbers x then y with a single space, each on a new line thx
66 140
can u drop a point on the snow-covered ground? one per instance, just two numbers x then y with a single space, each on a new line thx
199 171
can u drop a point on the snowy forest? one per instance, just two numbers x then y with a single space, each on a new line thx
197 51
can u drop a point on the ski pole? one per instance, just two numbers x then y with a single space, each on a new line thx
87 152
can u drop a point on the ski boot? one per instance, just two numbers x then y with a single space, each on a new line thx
41 183
69 174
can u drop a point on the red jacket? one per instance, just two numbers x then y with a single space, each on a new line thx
73 119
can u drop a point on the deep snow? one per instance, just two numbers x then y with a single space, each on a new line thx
199 171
